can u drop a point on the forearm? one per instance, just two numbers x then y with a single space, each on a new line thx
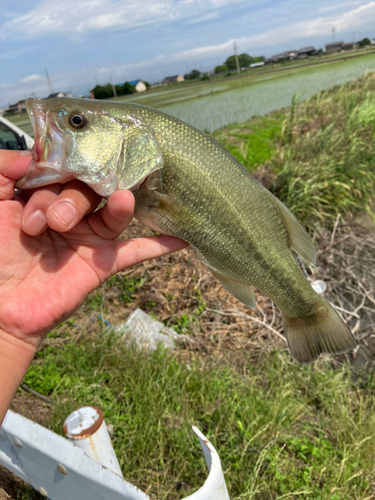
15 358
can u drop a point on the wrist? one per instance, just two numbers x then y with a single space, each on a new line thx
15 358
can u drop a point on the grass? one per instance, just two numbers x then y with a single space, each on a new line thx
280 428
255 142
322 151
328 167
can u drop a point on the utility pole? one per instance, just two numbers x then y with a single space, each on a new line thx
50 86
236 56
113 88
333 34
354 40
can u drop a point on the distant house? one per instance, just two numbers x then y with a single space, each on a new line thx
284 56
2 111
334 47
348 46
138 85
255 65
306 51
60 94
173 79
20 107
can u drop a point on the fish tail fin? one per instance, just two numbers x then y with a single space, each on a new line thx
322 332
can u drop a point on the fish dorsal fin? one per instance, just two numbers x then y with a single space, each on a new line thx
299 240
140 156
243 293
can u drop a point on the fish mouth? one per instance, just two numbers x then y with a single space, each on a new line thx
46 166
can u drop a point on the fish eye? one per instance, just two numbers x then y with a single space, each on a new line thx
77 120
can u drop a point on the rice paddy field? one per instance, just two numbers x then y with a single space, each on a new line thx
218 104
213 105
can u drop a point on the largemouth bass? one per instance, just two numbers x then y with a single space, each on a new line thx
187 185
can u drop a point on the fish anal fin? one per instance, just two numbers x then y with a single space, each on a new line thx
299 240
243 293
323 332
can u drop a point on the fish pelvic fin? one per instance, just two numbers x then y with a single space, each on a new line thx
298 238
243 293
323 332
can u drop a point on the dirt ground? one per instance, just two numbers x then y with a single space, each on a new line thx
182 293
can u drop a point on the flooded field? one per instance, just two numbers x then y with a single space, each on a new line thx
216 104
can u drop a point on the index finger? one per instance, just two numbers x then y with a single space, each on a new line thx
13 164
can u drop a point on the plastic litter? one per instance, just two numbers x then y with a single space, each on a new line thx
319 286
145 332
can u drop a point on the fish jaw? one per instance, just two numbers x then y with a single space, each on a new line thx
110 153
46 167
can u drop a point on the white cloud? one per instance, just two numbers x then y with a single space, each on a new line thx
87 15
348 21
31 78
340 5
282 35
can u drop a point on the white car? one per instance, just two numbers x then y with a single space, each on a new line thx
12 137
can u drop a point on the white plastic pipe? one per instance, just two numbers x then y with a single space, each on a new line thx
59 470
86 428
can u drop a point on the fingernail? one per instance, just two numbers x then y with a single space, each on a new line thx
65 212
36 222
26 152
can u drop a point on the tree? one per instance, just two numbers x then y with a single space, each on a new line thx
128 89
119 90
364 42
192 75
244 61
221 68
103 91
148 86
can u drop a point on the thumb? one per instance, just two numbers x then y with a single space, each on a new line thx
13 165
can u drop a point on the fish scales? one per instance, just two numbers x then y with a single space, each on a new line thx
246 254
187 185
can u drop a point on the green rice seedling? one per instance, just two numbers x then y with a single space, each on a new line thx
269 93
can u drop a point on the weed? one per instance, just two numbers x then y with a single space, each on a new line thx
253 143
279 427
328 169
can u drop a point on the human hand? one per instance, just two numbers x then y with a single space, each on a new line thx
49 264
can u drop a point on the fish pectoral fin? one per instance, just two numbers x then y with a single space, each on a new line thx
176 213
243 293
299 240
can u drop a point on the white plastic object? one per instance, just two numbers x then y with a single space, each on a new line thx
59 470
145 332
87 430
319 286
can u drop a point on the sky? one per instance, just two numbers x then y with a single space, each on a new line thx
82 42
